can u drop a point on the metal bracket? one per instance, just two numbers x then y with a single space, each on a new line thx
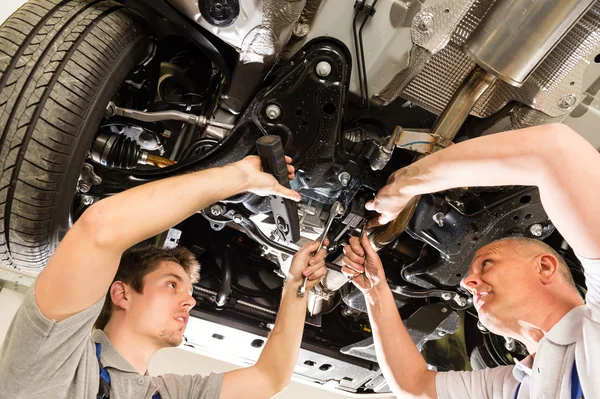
88 178
428 323
16 280
421 142
171 238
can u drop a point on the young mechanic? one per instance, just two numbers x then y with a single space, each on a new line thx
50 351
521 287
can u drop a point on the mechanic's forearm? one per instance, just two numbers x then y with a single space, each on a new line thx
553 157
120 221
278 359
402 364
508 158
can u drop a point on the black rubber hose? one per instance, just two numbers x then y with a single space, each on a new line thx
226 277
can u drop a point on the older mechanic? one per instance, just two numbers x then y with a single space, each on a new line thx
49 351
521 287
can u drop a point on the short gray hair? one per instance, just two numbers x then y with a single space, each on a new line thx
525 245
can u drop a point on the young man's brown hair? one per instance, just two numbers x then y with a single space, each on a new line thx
136 263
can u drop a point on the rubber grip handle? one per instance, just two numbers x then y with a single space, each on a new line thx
272 156
285 211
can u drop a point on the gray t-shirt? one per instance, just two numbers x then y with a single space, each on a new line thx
44 359
575 338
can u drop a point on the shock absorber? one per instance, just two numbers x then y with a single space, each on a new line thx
119 151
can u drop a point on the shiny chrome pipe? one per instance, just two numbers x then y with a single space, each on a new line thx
515 36
447 126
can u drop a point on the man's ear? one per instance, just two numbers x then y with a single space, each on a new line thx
547 268
119 293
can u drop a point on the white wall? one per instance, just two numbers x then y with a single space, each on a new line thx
7 7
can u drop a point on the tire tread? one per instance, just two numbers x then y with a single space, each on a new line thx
55 56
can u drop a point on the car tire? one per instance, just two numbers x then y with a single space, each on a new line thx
61 62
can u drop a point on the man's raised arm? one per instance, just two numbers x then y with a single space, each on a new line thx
403 366
564 166
275 366
86 261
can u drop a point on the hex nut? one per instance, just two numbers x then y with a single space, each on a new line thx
344 178
536 230
439 218
323 69
216 210
273 111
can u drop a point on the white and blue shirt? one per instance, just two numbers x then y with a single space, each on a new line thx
575 339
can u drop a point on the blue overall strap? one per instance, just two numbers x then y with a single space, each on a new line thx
104 381
103 392
103 373
576 390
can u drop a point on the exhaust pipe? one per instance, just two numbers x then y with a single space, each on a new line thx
516 35
447 125
512 40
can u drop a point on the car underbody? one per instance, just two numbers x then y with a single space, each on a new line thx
355 91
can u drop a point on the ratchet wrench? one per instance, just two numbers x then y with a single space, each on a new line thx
336 209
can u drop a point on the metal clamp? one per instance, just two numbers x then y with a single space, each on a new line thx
421 142
87 178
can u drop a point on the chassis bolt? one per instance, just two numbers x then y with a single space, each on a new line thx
446 296
216 210
301 30
238 218
273 111
444 310
87 199
83 186
460 301
323 69
439 218
536 230
441 333
423 22
96 181
567 101
344 178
